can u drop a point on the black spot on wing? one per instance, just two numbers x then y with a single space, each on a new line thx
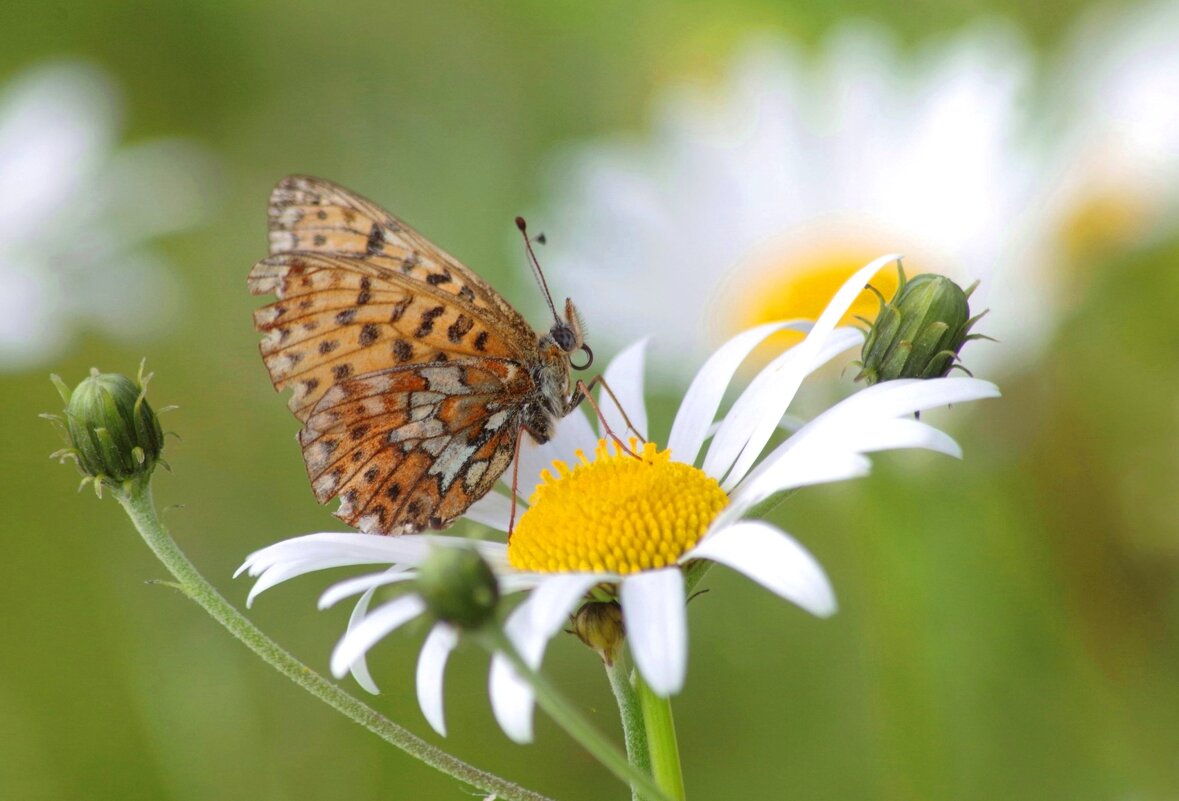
376 240
459 328
369 334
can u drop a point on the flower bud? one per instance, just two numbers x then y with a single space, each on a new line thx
598 624
919 332
113 433
458 587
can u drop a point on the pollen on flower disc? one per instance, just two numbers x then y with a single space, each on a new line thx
619 513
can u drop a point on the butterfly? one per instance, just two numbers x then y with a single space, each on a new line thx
413 378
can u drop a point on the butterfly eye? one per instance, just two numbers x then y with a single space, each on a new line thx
589 359
564 337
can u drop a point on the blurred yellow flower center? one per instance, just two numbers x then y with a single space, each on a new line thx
1102 221
619 513
800 288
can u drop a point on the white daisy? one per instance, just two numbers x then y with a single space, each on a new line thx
1117 93
633 524
78 211
751 201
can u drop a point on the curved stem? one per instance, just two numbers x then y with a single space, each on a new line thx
632 719
661 740
569 718
137 501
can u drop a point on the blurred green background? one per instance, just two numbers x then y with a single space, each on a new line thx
1008 624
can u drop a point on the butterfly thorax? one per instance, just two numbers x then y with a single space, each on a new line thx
550 375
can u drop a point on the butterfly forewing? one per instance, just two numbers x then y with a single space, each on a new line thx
316 216
339 317
410 373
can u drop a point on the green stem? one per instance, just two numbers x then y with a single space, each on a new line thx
137 501
570 719
632 719
661 740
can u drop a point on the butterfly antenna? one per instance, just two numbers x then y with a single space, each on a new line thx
544 286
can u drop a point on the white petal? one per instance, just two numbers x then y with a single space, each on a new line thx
540 617
294 557
431 665
756 412
573 433
512 700
830 447
373 628
624 376
530 626
281 572
348 587
518 582
867 421
773 559
336 549
359 666
906 396
903 433
657 627
701 401
803 467
493 509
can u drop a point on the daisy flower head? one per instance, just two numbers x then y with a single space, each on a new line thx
630 523
82 209
1117 85
753 199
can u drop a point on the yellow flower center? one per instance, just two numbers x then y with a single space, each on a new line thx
794 277
1104 220
804 290
619 513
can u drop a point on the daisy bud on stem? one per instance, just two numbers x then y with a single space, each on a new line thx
919 332
111 430
458 587
599 625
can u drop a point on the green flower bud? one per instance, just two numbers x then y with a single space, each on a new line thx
458 587
112 431
919 332
599 625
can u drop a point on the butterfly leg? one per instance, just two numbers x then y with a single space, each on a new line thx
515 485
581 392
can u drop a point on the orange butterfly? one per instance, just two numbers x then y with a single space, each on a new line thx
413 378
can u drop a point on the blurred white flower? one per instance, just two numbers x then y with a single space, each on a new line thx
1116 91
753 199
77 211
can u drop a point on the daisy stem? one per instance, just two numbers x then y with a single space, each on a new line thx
136 500
569 718
661 740
632 718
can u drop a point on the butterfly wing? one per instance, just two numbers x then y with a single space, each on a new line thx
317 216
346 308
410 373
414 446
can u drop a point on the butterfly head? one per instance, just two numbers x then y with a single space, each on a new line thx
569 336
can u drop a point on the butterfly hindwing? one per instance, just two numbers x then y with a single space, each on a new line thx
415 445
